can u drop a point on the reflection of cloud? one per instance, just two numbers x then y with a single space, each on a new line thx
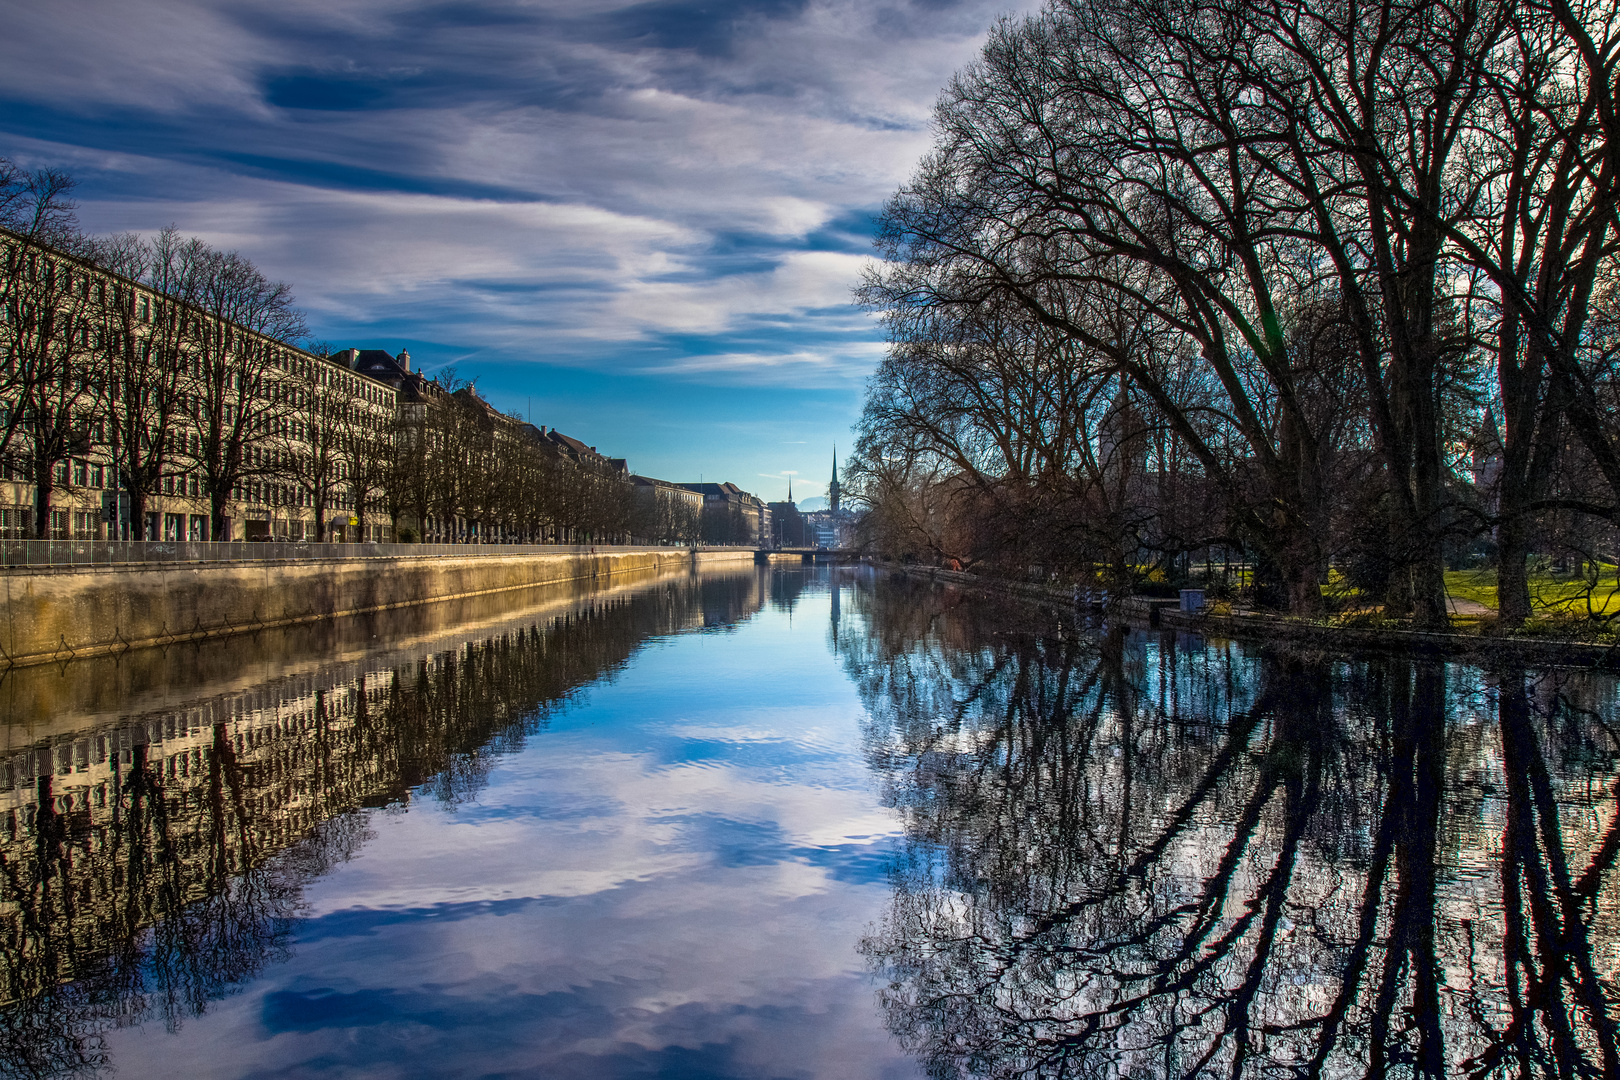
669 880
651 820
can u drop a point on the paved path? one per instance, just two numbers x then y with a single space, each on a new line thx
1459 606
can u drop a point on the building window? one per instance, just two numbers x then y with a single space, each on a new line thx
98 476
84 524
59 525
81 473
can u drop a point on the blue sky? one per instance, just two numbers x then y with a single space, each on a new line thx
639 222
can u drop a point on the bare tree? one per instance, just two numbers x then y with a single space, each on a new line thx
244 393
313 451
49 330
151 382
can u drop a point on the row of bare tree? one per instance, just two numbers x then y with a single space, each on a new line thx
172 370
462 469
1190 272
161 380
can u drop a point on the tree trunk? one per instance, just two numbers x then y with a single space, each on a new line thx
216 514
43 483
137 509
1428 568
1512 579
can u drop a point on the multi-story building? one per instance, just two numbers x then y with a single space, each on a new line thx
128 412
672 513
732 515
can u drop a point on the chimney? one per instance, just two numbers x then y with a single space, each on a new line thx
405 359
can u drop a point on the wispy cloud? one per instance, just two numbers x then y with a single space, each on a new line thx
665 189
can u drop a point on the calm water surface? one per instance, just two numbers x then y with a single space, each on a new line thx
801 824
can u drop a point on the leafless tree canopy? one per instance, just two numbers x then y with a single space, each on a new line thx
1182 272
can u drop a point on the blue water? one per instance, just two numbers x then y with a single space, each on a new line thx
667 876
820 823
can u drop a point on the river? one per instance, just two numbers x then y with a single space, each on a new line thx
800 823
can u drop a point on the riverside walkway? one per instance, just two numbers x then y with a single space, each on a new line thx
25 554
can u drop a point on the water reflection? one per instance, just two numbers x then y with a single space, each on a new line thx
1145 856
1132 856
153 860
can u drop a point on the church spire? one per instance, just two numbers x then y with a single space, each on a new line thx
832 488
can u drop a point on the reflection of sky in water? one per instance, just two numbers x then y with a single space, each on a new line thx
670 881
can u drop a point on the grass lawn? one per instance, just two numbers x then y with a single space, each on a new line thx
1549 593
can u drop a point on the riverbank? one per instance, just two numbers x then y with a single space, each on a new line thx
63 613
1327 636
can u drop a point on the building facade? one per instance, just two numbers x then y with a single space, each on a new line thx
732 515
128 413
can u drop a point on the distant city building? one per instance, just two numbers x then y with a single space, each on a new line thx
732 515
787 525
834 526
1485 460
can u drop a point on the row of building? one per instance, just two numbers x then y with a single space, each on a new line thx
67 319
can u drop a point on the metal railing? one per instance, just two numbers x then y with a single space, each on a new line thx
19 554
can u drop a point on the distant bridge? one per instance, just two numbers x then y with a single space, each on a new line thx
808 554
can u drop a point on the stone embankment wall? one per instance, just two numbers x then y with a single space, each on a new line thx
62 613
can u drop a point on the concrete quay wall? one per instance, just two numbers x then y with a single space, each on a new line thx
55 615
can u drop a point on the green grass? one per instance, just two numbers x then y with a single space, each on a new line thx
1476 585
1551 594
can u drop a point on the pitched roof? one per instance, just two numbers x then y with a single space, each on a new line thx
571 443
376 361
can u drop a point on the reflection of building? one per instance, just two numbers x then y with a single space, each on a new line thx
155 859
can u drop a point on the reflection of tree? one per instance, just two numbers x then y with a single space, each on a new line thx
1129 858
144 884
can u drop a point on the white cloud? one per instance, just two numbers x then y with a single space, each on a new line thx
550 179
